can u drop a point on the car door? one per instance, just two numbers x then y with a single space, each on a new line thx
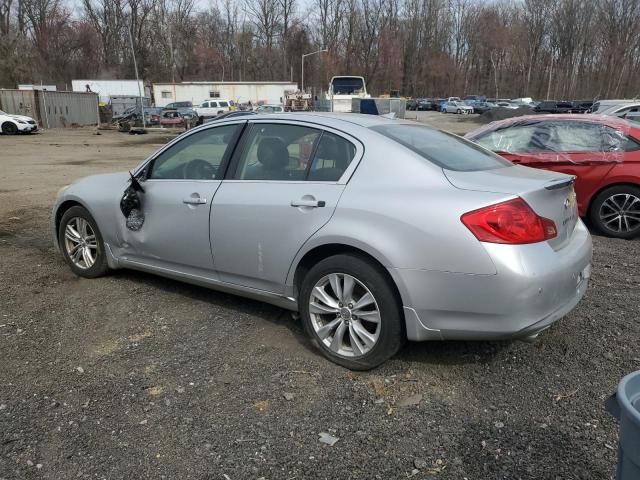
179 185
283 185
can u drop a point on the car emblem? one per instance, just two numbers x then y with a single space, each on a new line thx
567 203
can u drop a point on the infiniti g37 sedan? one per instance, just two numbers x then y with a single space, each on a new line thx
375 230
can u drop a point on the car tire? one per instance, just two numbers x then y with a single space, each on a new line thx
609 212
77 219
382 319
458 111
9 128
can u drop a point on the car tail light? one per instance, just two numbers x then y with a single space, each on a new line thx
512 222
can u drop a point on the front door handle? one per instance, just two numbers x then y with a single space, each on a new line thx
308 203
194 201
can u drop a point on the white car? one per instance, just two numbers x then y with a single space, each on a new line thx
12 124
457 107
508 105
211 108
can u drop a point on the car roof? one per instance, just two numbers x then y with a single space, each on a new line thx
613 122
330 118
618 101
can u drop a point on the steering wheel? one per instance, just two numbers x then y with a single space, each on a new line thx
198 169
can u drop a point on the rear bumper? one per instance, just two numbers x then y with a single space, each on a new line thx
534 287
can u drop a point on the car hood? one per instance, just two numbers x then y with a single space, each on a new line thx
104 181
20 117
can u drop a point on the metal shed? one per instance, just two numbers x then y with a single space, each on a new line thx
52 109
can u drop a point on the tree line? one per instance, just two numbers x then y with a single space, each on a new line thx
563 49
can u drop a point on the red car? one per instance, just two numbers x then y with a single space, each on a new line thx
602 152
171 118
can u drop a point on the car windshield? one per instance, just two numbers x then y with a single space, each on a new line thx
3 113
441 148
347 85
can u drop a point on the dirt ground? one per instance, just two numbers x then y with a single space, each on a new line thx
136 376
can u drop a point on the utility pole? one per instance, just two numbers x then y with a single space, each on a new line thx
307 55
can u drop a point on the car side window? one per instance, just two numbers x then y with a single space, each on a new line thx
333 156
195 157
276 152
616 141
515 139
574 137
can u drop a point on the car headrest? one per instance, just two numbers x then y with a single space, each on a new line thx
328 148
273 154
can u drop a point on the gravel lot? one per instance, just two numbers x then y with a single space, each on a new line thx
135 376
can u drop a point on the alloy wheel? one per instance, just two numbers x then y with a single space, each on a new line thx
345 315
80 243
620 213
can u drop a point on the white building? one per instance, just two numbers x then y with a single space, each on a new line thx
108 88
240 92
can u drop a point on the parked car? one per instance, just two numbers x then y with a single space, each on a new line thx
551 106
172 118
481 107
412 104
602 152
601 105
522 100
621 110
448 241
12 124
270 108
211 108
134 114
457 107
175 105
426 104
632 117
508 105
189 115
581 106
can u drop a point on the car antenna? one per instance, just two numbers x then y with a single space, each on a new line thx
135 183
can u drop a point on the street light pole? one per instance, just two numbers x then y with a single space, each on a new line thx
135 66
307 55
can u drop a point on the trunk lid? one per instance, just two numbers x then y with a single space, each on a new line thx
549 194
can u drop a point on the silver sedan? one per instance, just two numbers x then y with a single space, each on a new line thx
375 230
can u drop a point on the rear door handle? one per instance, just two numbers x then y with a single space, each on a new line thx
308 203
194 201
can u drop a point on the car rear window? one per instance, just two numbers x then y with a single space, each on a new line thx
441 148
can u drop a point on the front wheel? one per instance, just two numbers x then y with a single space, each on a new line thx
9 128
351 311
458 111
81 243
615 212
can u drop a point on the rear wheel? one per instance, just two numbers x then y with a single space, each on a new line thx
350 310
81 243
9 128
615 212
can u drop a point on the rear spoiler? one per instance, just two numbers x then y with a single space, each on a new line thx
557 185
